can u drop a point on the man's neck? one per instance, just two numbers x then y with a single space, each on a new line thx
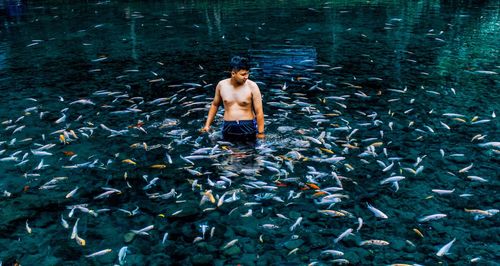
235 83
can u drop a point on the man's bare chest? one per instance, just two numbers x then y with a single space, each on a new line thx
241 96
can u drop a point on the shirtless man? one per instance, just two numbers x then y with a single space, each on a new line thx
243 114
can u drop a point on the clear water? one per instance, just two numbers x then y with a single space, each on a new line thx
399 67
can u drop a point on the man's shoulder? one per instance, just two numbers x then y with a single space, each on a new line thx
252 84
224 82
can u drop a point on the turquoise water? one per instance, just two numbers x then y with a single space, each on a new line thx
108 97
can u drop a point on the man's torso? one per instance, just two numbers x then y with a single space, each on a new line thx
237 100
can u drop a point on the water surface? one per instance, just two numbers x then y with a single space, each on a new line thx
365 84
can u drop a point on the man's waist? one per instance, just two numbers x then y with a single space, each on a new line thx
239 121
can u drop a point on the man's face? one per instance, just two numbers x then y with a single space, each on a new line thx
240 76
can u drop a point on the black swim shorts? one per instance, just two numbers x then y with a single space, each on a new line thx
240 130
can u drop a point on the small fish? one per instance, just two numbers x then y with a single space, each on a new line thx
122 254
270 226
444 250
208 195
129 161
376 212
165 237
360 224
74 232
343 235
432 217
392 179
477 178
418 232
158 166
143 230
64 223
230 244
331 213
388 167
282 216
72 193
332 252
374 242
28 228
248 214
293 251
297 223
443 191
177 212
80 241
466 169
99 253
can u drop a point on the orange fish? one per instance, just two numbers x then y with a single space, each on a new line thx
279 184
62 139
319 194
129 161
418 232
139 124
68 153
158 166
313 186
327 150
377 144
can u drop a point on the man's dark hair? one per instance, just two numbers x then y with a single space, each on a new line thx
239 63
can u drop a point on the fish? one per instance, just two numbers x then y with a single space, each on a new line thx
432 217
343 235
230 244
376 212
486 72
360 224
129 161
392 179
477 178
444 250
297 223
72 192
122 254
99 253
64 223
28 228
418 232
466 169
332 213
158 166
74 232
374 242
82 101
293 251
144 230
443 191
332 252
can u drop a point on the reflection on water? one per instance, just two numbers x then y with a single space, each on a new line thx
272 61
387 104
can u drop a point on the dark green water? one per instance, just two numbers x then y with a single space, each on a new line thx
412 84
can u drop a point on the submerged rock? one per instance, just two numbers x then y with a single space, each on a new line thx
129 237
232 251
292 244
246 231
202 259
247 259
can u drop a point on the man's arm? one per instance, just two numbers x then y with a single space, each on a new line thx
259 112
213 109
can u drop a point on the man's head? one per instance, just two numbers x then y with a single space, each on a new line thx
239 69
